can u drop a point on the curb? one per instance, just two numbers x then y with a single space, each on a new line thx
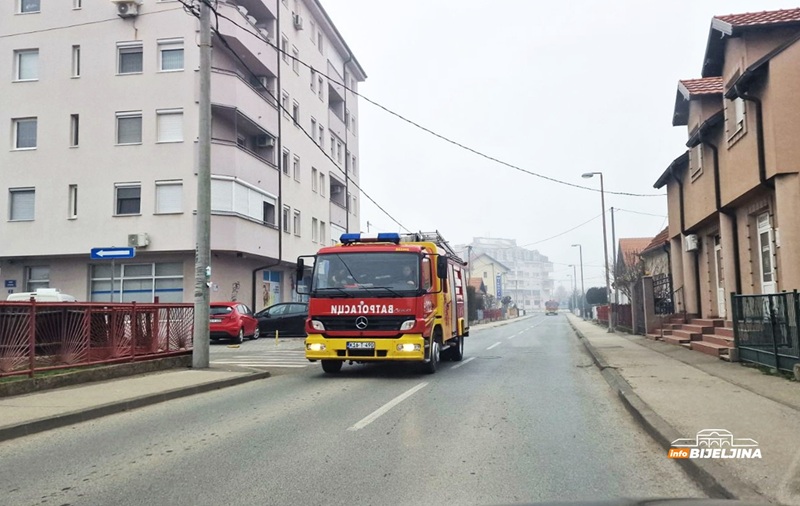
55 422
714 480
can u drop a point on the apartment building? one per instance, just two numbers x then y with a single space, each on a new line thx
734 194
101 119
528 278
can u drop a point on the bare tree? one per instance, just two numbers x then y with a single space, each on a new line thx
629 273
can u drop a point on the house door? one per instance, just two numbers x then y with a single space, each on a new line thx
720 277
767 254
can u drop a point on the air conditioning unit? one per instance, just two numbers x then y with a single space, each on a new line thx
138 240
265 141
264 33
242 9
298 21
127 8
692 242
252 20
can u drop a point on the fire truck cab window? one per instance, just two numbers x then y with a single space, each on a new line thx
368 272
426 273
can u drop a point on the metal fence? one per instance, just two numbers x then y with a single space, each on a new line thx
37 336
663 299
765 329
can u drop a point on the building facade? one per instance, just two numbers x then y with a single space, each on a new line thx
528 279
101 114
734 194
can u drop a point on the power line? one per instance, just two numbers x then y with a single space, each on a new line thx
640 212
191 10
421 127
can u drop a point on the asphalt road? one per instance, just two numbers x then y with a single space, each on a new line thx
524 418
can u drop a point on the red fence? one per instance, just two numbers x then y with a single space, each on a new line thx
621 311
37 336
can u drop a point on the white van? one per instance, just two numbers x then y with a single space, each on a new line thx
42 295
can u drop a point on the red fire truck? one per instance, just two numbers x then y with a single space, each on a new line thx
385 297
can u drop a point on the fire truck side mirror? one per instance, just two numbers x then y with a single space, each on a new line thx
441 267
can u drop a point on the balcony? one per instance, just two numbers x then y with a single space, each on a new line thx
229 90
336 125
230 159
234 233
338 214
243 36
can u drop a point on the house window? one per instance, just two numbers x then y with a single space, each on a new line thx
27 6
296 222
296 112
295 60
296 168
319 40
353 166
314 180
321 88
347 119
284 48
313 30
170 55
37 277
313 126
27 65
322 184
696 161
353 204
169 197
169 123
339 152
285 162
72 211
286 224
333 146
129 58
268 210
321 136
129 127
77 4
21 204
231 196
353 124
74 130
25 133
314 230
137 282
322 232
285 103
128 198
76 61
738 109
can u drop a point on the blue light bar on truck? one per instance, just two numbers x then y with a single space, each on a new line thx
382 237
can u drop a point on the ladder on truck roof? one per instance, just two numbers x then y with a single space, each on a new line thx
436 238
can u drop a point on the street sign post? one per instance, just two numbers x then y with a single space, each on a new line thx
112 254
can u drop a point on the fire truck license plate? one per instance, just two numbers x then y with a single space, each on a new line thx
360 346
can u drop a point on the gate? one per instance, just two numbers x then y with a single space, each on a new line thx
765 329
662 295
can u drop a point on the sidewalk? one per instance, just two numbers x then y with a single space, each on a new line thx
37 412
674 393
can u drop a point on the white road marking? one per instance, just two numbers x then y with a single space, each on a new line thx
386 407
470 359
510 337
492 346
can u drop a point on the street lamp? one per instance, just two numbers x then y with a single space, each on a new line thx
588 175
574 287
583 290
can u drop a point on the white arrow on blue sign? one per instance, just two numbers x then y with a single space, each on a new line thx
112 253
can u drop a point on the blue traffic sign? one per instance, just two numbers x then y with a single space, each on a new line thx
112 253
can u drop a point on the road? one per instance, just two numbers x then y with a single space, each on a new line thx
525 417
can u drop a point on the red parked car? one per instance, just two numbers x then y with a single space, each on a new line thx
232 320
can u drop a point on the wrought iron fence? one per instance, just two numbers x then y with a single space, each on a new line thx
765 328
663 297
37 336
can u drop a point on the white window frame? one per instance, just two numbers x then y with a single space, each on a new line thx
314 180
314 230
353 166
170 45
296 60
285 48
313 80
77 4
287 213
322 184
129 115
18 55
738 112
20 3
296 168
321 90
232 196
285 159
164 186
13 194
161 115
76 61
127 48
74 130
696 161
297 221
117 187
72 202
285 104
296 112
322 232
313 125
322 136
16 124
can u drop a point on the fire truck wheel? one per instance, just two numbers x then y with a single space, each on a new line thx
332 366
457 353
432 364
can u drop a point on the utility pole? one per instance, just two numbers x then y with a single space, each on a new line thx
202 267
614 260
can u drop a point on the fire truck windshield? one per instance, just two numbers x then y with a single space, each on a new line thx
374 274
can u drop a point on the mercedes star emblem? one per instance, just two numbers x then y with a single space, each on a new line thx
361 322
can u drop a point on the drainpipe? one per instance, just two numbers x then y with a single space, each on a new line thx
698 295
762 164
727 212
279 149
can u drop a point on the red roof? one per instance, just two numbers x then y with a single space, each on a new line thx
762 18
702 86
630 248
658 241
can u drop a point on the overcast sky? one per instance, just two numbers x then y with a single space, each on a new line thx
557 88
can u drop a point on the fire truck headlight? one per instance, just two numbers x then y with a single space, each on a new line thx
317 325
407 325
316 347
408 347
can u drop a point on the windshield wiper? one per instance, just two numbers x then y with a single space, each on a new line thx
340 290
391 291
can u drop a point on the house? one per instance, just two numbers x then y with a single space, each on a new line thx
734 193
492 274
628 268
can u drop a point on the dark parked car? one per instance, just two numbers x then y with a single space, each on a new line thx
288 318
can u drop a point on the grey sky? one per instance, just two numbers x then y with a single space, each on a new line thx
558 88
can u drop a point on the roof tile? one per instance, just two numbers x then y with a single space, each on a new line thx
762 18
703 86
658 241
